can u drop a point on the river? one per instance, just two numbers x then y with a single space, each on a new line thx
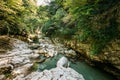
89 72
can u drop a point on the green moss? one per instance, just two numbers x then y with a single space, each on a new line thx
34 67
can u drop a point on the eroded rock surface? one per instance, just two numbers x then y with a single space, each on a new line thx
49 49
54 74
18 61
58 73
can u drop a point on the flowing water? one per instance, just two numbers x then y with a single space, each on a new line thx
89 73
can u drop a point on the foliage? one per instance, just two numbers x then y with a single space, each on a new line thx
18 17
91 21
87 21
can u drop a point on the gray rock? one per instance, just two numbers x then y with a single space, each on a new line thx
58 73
55 74
22 70
63 62
34 55
34 76
19 77
4 61
2 77
20 60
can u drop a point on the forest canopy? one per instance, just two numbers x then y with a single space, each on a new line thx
18 17
87 21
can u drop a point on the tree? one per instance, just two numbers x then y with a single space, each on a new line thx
16 16
88 21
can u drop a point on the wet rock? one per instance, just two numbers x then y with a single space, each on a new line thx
42 67
63 62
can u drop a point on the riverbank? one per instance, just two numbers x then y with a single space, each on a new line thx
21 60
18 62
108 59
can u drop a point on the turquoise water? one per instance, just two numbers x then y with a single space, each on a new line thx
81 67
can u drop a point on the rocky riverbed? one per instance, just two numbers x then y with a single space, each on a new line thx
16 63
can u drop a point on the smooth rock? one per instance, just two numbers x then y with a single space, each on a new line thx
2 77
55 74
63 62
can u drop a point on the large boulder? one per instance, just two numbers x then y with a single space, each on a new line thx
63 62
53 74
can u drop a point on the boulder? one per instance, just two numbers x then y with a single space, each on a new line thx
55 74
63 62
61 72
